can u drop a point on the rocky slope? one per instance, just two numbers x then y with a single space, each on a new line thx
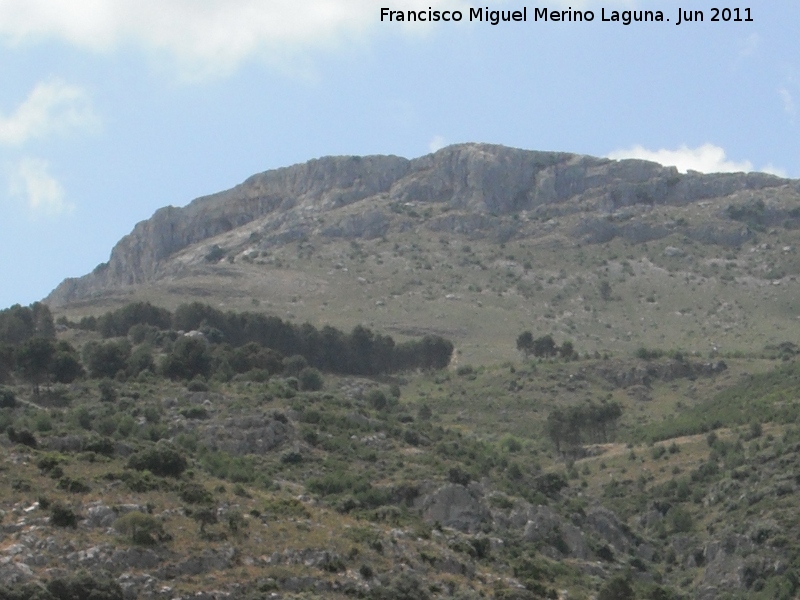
476 185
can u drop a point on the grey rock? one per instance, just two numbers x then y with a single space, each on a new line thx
646 552
135 585
478 180
452 565
209 560
12 573
545 526
605 524
454 506
133 558
100 516
302 584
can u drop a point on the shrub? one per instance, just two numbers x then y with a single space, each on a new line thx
63 516
215 254
73 486
657 452
190 358
23 436
294 365
140 361
310 379
648 354
162 459
366 571
205 516
197 385
377 399
510 443
680 520
106 359
195 412
49 461
194 493
7 398
108 391
141 528
458 476
66 367
465 370
100 445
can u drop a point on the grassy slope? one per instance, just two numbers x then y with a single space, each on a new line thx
482 294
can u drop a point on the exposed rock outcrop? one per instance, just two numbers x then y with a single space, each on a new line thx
475 180
455 506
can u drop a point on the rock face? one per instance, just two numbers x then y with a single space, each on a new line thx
479 181
455 506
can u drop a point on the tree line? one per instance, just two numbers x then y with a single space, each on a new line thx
571 427
228 343
544 346
359 352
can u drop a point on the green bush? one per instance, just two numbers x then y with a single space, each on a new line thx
195 412
294 365
141 528
679 519
23 436
197 385
162 459
50 461
73 486
7 398
377 399
73 587
83 585
194 493
310 379
100 445
63 516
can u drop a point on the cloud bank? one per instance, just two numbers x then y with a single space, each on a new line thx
707 158
206 37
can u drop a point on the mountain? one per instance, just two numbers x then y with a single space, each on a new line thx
475 232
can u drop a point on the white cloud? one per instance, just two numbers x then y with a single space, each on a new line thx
437 143
707 158
52 107
206 37
43 194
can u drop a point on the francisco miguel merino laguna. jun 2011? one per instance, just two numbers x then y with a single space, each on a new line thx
625 17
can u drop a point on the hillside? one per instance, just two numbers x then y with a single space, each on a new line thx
483 373
479 242
456 483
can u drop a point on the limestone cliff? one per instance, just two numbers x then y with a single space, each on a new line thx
477 181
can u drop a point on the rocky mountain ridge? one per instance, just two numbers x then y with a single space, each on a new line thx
478 188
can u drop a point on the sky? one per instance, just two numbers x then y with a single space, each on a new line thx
111 109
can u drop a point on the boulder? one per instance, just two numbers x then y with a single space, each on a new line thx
455 506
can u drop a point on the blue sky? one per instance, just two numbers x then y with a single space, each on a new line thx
110 109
